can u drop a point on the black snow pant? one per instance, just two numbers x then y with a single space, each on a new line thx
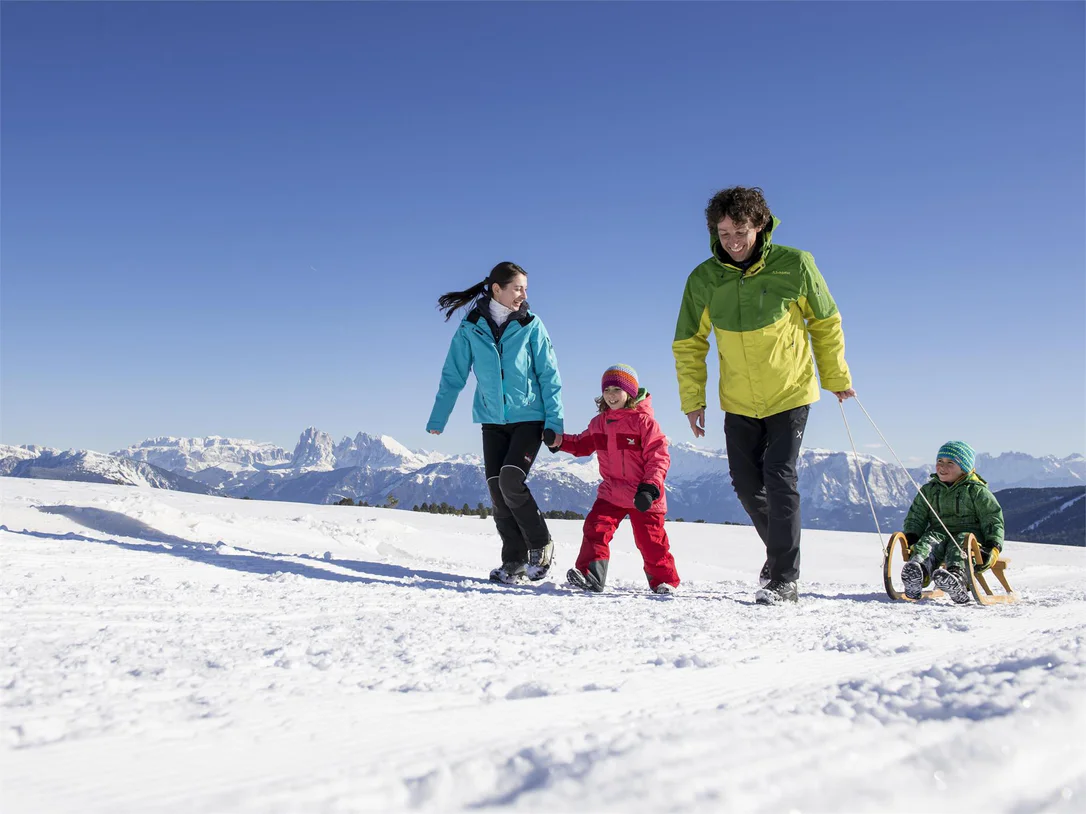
762 455
508 453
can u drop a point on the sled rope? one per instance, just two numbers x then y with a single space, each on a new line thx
863 480
950 536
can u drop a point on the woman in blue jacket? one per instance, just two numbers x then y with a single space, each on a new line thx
518 395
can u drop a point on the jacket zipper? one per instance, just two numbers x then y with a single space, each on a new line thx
501 373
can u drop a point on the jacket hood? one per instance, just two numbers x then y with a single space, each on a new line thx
765 241
643 403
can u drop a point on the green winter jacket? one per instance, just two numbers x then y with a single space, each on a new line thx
767 321
965 506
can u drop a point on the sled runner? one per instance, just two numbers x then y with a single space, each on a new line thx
977 584
977 581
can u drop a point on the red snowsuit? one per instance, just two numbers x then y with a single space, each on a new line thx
631 449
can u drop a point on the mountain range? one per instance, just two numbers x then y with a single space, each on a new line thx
372 468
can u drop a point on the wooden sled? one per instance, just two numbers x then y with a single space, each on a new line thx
977 584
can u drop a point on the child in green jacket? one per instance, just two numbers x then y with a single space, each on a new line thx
963 502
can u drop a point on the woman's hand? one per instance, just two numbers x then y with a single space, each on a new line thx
435 432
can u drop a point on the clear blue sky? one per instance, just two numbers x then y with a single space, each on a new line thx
235 219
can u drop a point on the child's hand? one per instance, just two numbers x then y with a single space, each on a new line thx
990 557
647 494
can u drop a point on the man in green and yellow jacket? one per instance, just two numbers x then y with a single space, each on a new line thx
769 309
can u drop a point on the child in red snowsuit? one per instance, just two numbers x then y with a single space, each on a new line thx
633 460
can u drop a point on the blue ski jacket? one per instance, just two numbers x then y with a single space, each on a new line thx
516 373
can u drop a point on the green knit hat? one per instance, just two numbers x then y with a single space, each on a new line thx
960 453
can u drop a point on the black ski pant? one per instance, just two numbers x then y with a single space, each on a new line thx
762 455
508 453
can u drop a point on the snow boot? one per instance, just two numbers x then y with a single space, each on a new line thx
510 573
664 589
952 583
777 592
763 575
539 561
912 577
585 580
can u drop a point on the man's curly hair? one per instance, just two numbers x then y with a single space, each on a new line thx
741 204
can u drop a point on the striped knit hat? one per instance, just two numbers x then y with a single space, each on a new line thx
622 376
960 453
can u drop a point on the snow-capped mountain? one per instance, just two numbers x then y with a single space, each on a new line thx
380 452
1016 469
372 468
10 456
190 455
315 450
94 467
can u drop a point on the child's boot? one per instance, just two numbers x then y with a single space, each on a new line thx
912 576
593 578
952 582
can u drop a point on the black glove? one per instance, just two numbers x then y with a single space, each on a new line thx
647 494
912 538
548 437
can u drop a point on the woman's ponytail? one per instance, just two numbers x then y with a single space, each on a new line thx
502 274
455 300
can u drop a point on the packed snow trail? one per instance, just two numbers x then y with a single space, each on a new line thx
174 652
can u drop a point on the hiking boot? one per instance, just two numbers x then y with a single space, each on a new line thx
665 589
539 561
912 576
763 575
585 580
777 592
952 583
510 573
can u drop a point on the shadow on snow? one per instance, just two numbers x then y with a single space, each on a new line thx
254 562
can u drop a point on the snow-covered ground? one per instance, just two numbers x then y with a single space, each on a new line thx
170 652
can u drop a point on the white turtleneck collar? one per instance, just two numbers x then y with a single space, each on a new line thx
499 313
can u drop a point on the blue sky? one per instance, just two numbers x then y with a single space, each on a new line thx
236 219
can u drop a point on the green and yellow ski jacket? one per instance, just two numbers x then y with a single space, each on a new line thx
767 321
